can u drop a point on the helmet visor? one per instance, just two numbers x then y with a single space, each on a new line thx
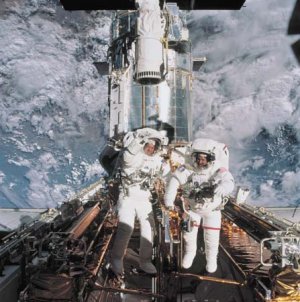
199 155
151 146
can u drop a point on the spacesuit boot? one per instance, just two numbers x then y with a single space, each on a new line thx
148 267
190 240
211 238
145 257
119 248
211 266
188 259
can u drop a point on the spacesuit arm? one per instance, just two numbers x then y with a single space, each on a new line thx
133 149
171 192
179 177
165 170
141 137
224 181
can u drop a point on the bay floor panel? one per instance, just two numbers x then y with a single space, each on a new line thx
179 285
213 290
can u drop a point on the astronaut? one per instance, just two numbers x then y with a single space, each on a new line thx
141 164
203 181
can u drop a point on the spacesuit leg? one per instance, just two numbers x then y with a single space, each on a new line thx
190 242
212 226
146 219
126 214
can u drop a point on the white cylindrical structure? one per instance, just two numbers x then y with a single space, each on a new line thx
149 47
149 61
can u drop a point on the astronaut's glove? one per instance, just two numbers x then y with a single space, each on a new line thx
220 191
170 208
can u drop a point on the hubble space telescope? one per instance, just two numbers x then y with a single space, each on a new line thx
62 254
150 74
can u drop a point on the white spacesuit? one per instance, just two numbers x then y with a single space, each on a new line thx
141 164
204 181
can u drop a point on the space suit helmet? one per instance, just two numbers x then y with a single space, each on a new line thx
205 147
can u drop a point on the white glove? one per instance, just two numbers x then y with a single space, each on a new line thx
170 208
219 190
